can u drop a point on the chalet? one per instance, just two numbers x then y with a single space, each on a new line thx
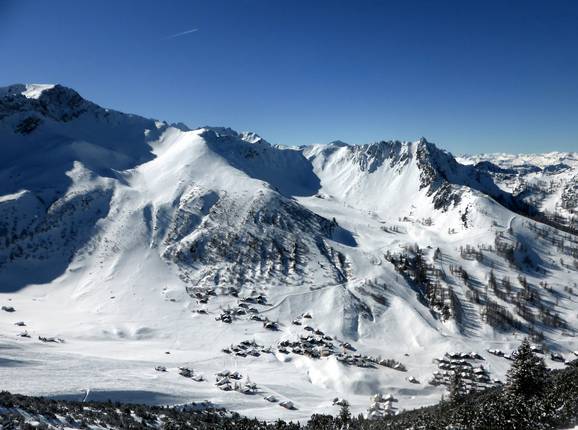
288 404
236 375
186 372
340 402
554 356
223 381
270 325
497 352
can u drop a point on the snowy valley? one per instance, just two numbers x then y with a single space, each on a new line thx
147 262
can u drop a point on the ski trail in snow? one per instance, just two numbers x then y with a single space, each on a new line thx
299 294
86 395
510 222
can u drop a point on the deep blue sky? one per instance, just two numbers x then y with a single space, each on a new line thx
470 76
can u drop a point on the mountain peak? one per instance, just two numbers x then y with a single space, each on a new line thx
252 137
228 134
55 101
32 91
339 143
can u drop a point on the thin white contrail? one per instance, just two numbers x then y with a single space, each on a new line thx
182 33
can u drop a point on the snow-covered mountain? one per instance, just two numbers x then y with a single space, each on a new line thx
547 182
142 243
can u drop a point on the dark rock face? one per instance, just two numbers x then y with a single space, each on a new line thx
58 103
274 240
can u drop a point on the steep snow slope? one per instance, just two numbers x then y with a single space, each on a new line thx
143 244
374 176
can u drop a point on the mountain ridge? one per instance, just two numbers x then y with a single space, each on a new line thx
131 237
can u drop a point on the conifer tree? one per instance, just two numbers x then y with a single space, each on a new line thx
527 374
455 387
344 413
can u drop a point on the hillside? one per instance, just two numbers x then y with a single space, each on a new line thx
548 182
128 244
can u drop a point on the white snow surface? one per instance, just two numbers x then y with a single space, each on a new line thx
508 160
106 219
549 180
33 91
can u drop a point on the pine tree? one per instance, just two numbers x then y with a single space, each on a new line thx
455 387
492 282
344 413
527 374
